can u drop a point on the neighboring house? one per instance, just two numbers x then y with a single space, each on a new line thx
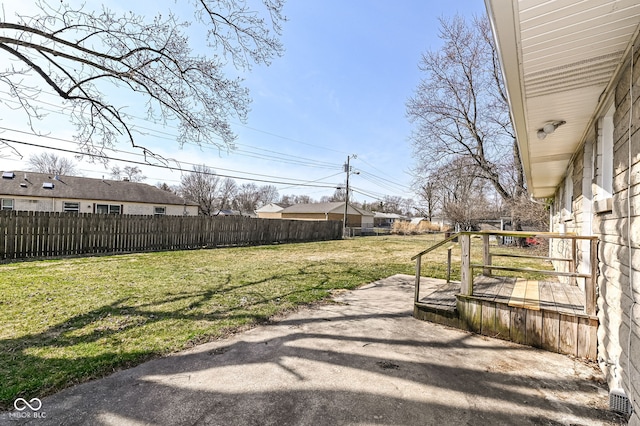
229 212
386 220
270 211
572 77
29 191
356 218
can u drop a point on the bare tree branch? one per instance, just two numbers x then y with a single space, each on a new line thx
90 58
461 115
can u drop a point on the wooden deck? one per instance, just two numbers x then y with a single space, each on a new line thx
544 314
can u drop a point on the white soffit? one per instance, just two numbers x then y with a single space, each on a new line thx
558 57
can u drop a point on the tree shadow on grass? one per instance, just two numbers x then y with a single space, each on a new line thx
87 346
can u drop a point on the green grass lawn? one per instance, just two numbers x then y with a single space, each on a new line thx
67 321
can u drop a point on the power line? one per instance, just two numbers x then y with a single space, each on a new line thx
158 134
277 157
170 126
135 154
391 186
383 183
375 168
301 183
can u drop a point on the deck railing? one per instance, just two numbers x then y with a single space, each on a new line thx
488 268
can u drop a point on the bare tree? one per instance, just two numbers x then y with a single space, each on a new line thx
288 200
338 195
200 186
430 196
90 58
464 196
392 204
130 173
460 110
52 164
169 188
408 204
303 199
267 194
247 197
227 192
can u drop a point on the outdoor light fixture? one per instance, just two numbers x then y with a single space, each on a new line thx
549 128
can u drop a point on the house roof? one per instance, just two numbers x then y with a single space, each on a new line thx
30 184
559 61
381 215
270 208
325 208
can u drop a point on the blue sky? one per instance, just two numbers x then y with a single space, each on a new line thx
340 89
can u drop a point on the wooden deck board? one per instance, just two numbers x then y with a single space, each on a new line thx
576 298
562 299
518 294
442 296
568 299
547 301
551 295
525 294
486 287
504 294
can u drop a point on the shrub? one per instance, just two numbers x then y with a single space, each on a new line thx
408 228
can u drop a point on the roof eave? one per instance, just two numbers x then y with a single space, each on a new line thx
507 41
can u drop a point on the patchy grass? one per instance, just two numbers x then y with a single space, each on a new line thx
67 321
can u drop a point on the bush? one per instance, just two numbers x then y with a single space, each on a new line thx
408 228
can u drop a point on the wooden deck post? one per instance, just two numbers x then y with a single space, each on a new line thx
590 283
417 286
574 261
466 280
486 255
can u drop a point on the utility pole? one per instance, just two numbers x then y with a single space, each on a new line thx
347 169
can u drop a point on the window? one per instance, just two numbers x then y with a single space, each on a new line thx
604 163
69 206
108 208
159 211
7 204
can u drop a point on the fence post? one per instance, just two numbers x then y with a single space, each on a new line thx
11 235
466 280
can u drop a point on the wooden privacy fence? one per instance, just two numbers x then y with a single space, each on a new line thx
52 234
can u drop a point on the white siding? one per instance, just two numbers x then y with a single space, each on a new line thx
619 280
87 206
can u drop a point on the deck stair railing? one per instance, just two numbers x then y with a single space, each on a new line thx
467 268
418 259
